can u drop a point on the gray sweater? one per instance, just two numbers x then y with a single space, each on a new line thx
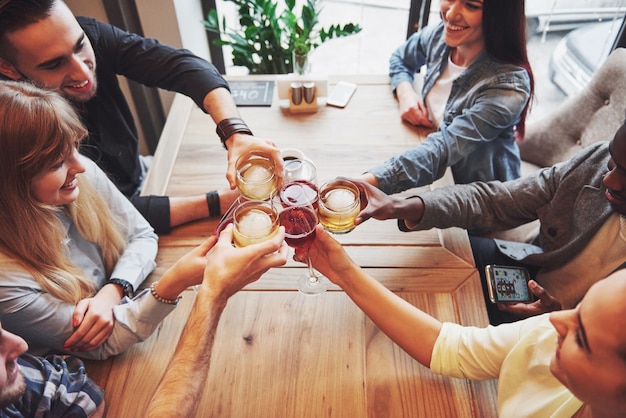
567 198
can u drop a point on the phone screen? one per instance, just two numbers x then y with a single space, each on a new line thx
508 284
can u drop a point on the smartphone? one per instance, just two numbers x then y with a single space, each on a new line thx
341 94
508 284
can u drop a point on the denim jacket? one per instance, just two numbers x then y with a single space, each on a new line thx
476 136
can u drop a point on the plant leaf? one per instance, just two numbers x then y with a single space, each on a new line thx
269 33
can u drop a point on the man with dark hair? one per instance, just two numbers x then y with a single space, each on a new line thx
41 41
581 206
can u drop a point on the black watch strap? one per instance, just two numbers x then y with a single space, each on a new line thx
127 287
229 126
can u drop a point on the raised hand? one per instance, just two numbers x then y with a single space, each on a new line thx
228 268
379 205
242 143
327 256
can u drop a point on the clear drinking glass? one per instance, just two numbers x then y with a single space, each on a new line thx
256 176
227 217
339 205
299 223
254 221
299 183
299 169
301 63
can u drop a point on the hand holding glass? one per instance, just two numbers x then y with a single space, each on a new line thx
256 178
339 205
254 221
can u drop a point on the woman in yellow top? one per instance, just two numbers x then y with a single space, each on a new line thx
562 364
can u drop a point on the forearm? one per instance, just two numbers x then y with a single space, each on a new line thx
489 206
413 330
186 209
415 167
219 103
179 391
405 91
137 261
171 284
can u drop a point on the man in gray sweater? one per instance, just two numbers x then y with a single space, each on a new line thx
580 204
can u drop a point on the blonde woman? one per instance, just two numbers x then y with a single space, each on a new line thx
72 246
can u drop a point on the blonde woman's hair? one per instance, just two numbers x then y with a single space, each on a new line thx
37 129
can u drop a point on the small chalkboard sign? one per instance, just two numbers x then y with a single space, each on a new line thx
252 92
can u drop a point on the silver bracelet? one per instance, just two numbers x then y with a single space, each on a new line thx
161 299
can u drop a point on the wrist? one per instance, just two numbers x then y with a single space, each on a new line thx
215 297
410 210
172 284
346 277
230 126
124 287
370 179
164 298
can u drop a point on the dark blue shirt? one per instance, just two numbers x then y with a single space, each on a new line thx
113 142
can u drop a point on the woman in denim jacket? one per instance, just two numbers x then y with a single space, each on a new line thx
476 91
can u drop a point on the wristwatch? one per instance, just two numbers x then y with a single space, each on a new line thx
127 288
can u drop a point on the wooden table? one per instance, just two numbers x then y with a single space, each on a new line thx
282 354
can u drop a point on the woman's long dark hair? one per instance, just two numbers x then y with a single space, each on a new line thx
504 32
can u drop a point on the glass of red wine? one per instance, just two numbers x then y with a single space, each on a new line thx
299 183
298 193
299 223
299 169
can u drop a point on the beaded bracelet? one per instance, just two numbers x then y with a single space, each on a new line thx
229 126
163 300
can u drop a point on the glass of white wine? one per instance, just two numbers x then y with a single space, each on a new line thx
254 221
256 175
338 206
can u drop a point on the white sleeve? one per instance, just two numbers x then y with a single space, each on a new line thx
476 353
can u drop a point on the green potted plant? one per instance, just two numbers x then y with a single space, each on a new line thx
271 36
